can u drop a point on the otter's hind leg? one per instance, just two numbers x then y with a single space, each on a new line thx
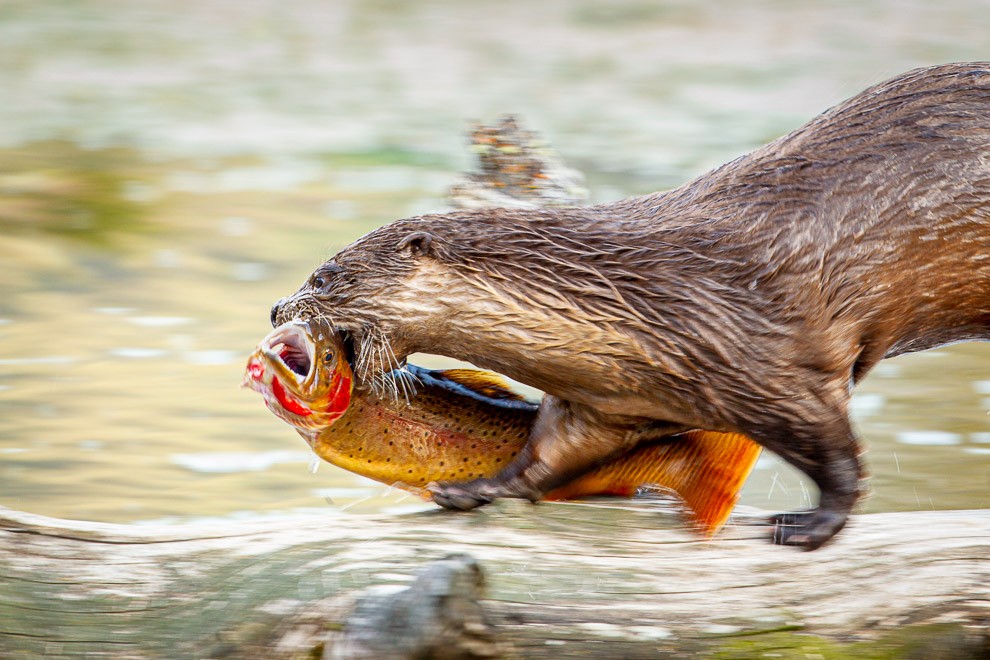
566 441
829 455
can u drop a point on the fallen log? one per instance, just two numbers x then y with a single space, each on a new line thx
609 577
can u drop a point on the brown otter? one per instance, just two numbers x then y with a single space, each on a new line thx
751 299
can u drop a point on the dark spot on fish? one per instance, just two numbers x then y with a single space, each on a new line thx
441 463
466 459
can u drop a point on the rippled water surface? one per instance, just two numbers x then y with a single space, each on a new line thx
169 169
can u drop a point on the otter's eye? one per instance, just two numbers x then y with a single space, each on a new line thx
328 357
323 276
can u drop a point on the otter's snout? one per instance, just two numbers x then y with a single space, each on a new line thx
276 308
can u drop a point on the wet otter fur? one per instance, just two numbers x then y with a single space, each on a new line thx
751 299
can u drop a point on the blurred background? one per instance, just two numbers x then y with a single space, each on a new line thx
169 168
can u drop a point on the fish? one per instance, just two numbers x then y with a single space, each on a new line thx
460 424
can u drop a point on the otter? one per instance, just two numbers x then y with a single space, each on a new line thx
751 299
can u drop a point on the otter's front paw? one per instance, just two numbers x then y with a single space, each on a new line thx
462 496
808 530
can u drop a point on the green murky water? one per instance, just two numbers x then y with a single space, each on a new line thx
168 169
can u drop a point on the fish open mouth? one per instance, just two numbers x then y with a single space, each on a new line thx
292 346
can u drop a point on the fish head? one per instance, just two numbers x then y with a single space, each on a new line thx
303 370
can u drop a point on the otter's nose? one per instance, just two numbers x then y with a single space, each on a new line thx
276 308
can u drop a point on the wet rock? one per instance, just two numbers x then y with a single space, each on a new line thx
438 616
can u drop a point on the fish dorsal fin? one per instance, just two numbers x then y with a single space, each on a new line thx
487 384
484 386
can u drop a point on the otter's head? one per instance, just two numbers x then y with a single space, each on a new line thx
379 293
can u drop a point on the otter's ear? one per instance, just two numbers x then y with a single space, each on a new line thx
416 244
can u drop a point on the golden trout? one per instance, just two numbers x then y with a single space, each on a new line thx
460 424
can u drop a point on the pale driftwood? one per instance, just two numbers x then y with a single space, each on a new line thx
560 577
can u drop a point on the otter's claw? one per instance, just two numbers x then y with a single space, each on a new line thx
808 530
462 497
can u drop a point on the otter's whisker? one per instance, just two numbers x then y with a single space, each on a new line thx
371 369
363 356
386 375
398 373
407 379
385 368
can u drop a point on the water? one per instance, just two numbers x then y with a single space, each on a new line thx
169 169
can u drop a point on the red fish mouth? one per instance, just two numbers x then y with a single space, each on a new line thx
290 344
284 368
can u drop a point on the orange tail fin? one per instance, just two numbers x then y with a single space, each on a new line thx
706 469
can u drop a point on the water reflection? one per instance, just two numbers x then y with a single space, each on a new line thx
135 353
60 188
929 438
228 462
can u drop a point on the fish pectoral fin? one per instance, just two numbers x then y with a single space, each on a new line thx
484 383
419 491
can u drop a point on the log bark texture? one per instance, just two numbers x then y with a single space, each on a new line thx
614 579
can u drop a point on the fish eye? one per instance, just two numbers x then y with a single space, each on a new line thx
328 356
